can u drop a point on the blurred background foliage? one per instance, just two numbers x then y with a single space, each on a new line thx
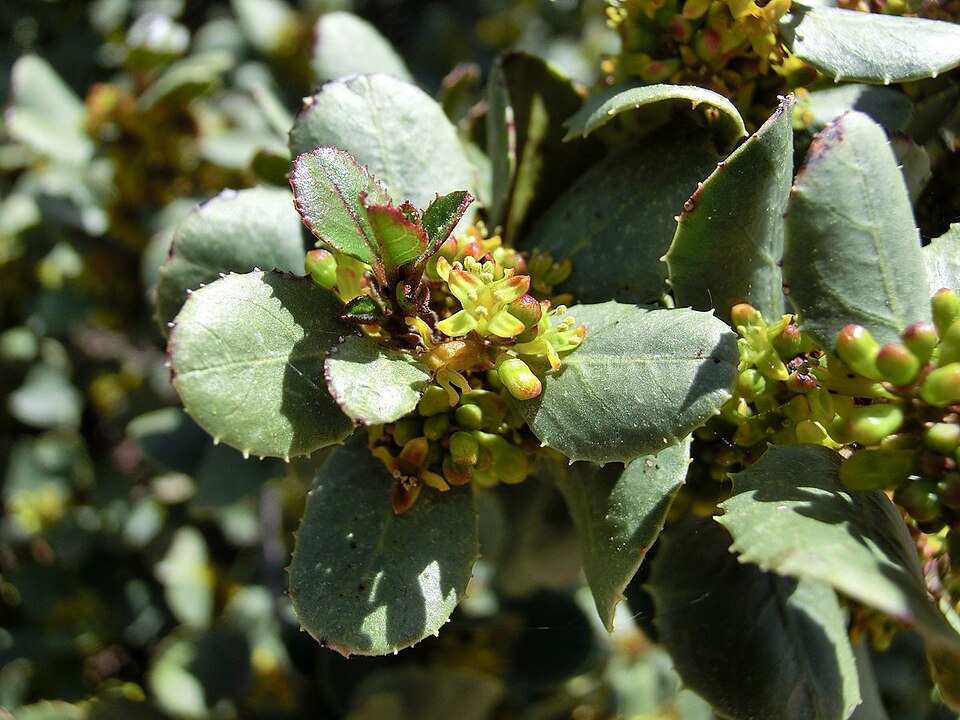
141 567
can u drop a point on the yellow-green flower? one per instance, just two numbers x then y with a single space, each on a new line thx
484 298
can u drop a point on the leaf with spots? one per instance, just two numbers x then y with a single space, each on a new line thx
247 354
366 581
641 381
619 512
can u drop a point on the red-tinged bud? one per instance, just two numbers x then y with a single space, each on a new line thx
942 386
788 342
876 469
322 266
706 44
945 305
526 309
679 29
897 364
456 474
869 424
518 379
950 344
801 382
743 314
919 498
858 349
942 438
921 338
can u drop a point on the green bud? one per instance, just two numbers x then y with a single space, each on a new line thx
469 416
821 405
322 267
921 338
796 409
869 424
875 469
788 342
744 314
406 429
519 379
919 498
526 309
897 364
810 431
751 384
950 344
509 463
464 448
948 489
436 426
942 438
942 386
945 305
493 406
858 349
433 401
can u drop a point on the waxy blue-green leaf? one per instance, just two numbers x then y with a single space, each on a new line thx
366 581
336 38
619 512
602 107
790 514
373 384
753 644
236 231
394 129
617 220
870 47
641 381
331 192
247 354
729 239
528 100
852 252
942 258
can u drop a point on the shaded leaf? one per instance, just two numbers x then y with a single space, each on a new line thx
528 101
914 162
753 644
399 241
605 105
187 578
366 581
442 216
641 381
383 122
852 253
886 106
269 24
47 399
373 384
186 79
870 47
417 693
942 258
619 512
729 239
790 514
247 355
236 231
616 221
336 37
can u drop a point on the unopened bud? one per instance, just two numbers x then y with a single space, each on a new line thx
509 462
322 266
526 309
464 448
743 314
897 364
436 426
945 305
919 498
456 474
788 342
433 401
801 382
942 386
950 344
921 338
469 416
751 384
869 424
518 379
406 429
493 406
942 438
876 469
858 349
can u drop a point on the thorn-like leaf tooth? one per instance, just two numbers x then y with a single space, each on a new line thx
189 292
170 324
203 285
216 440
222 275
166 364
286 458
246 454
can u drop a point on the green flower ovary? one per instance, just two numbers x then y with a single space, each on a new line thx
484 297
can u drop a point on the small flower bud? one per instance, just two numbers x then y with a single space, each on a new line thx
788 342
948 490
919 498
897 364
744 314
436 426
801 382
751 384
869 424
322 266
469 416
942 438
433 401
526 309
876 469
456 474
945 305
950 344
921 338
519 379
509 462
857 348
464 448
406 429
493 406
942 386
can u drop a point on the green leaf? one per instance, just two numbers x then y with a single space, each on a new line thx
641 381
602 107
790 514
616 221
399 241
619 512
45 114
870 47
729 239
914 162
247 355
236 231
852 253
394 129
330 192
888 107
337 35
442 216
185 80
753 644
270 25
942 258
187 578
47 399
528 101
372 384
366 581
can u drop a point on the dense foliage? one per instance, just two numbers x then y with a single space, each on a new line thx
615 344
